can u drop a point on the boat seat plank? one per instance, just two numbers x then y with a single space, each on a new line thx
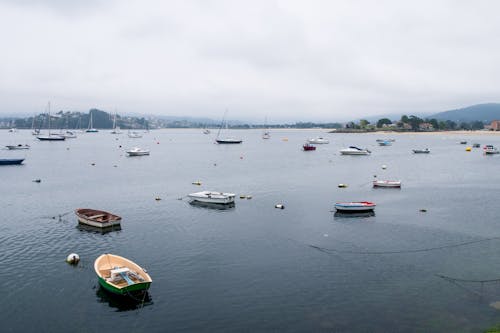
96 216
127 278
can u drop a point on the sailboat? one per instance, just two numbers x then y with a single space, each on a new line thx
226 140
116 129
91 128
34 131
50 137
265 133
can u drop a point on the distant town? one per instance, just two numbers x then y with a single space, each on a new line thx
104 120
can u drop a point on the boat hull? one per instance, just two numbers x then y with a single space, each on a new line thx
354 207
142 153
130 290
11 161
51 138
387 184
228 142
354 152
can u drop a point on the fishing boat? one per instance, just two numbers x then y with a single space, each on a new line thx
91 128
17 147
11 161
226 140
421 151
490 150
387 183
97 218
352 150
136 151
359 206
121 276
50 136
308 147
318 141
212 197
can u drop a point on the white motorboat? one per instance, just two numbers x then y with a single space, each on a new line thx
317 141
136 151
212 197
387 183
490 150
355 151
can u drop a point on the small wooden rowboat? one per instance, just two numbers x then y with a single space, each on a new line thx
97 218
387 183
121 276
360 206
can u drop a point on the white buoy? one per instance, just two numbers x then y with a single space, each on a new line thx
280 206
384 166
73 259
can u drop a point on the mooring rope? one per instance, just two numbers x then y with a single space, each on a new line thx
329 250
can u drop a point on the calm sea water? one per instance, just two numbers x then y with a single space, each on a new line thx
252 268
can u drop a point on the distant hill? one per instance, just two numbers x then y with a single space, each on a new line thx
482 112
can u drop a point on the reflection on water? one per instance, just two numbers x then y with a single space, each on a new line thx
342 215
211 205
89 228
123 303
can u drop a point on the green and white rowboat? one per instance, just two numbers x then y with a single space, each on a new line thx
121 276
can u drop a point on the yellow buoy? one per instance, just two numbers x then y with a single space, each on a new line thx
468 149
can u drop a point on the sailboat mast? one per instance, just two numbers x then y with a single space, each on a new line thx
222 124
48 106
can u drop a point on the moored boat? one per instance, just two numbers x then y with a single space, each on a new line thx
352 150
421 151
490 150
97 218
357 206
318 140
228 141
11 161
387 183
384 143
17 147
136 151
134 135
308 147
212 197
121 276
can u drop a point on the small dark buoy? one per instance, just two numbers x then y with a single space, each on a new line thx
119 146
92 164
279 206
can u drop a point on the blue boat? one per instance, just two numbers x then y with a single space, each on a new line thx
11 161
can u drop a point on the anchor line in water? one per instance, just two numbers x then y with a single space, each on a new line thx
329 250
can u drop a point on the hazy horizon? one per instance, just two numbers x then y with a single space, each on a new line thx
286 61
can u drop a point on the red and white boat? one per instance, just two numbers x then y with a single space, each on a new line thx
387 183
357 206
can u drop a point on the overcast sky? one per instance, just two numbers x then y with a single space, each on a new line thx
284 60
